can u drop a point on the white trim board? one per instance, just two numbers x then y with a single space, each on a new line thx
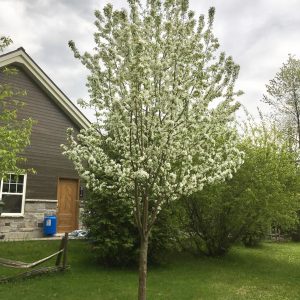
41 200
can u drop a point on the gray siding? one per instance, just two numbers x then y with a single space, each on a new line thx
44 153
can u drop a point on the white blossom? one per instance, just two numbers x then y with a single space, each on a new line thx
141 174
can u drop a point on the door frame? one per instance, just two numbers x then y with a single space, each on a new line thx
77 200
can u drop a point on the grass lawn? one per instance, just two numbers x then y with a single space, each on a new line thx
268 272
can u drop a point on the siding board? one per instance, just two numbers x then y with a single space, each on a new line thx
44 153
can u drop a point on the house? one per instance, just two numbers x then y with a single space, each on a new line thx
55 186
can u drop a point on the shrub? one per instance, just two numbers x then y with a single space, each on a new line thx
113 233
263 193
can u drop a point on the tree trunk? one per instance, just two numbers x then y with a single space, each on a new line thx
297 114
143 268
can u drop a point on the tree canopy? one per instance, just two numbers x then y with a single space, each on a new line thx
283 95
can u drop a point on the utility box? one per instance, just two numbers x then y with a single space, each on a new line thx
49 225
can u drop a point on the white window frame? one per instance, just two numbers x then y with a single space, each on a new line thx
21 214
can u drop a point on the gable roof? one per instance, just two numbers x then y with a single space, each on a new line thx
20 58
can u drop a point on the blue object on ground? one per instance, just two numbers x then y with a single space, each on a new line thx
50 225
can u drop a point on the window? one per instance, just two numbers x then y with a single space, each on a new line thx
12 193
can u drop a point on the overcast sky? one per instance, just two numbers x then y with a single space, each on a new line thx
259 34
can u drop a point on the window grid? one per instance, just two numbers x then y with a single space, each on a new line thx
14 185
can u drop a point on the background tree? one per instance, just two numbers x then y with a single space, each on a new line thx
14 132
162 96
263 193
283 95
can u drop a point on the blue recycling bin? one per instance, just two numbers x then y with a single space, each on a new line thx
50 225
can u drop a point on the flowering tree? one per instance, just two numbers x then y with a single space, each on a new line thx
153 77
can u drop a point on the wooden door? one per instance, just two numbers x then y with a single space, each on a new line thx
67 211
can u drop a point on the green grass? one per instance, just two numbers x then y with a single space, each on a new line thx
268 272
